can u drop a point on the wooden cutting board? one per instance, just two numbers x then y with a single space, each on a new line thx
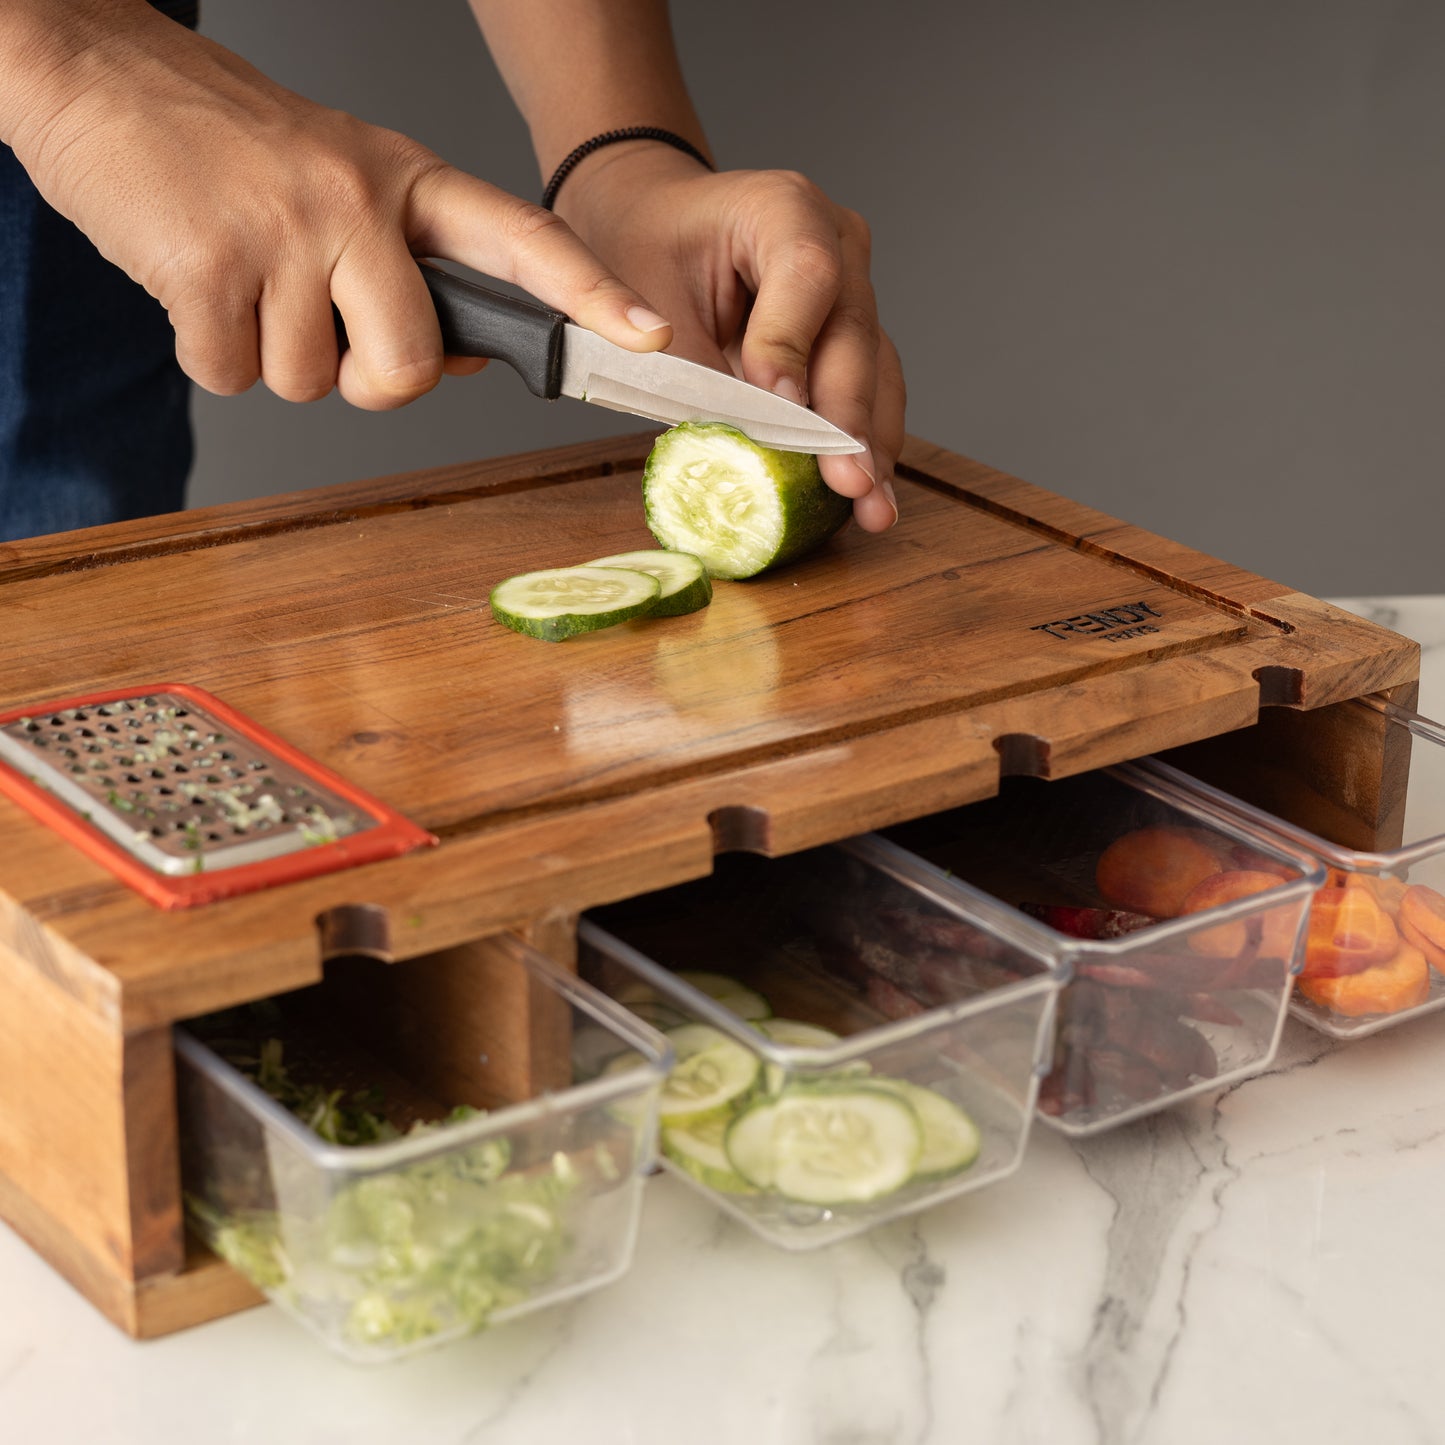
997 627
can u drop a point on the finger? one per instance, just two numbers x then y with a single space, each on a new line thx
297 339
217 340
463 365
461 218
877 510
844 371
800 267
889 408
395 350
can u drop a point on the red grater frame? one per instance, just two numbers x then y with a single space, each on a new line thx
392 836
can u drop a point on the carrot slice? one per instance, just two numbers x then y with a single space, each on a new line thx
1424 910
1387 988
1434 956
1348 932
1388 892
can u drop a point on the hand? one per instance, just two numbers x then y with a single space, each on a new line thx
247 210
761 274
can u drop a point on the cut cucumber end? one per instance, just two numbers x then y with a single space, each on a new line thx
561 602
712 491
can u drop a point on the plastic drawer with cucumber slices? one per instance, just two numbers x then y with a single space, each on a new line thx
826 1081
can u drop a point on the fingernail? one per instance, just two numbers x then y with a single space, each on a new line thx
864 462
886 487
645 320
789 390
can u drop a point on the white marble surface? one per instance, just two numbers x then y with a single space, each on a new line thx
1260 1266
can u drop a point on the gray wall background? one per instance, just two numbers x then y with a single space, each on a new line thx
1180 261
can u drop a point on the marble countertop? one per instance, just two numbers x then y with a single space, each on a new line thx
1258 1265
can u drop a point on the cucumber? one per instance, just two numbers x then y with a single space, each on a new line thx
951 1140
660 1015
686 586
740 507
697 1149
712 1072
561 602
827 1146
796 1034
737 998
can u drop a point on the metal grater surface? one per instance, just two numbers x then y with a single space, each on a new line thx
174 786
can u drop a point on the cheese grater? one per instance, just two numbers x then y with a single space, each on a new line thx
186 799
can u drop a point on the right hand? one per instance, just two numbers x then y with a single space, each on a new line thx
247 210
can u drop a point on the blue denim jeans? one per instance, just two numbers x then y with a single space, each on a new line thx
94 411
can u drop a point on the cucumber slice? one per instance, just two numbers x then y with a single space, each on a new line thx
737 998
740 507
560 602
659 1015
697 1149
796 1034
827 1145
951 1141
712 1072
686 586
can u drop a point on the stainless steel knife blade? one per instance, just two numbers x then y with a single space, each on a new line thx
668 389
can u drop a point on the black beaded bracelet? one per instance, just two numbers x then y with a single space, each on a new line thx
611 137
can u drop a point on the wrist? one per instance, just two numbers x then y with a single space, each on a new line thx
619 173
52 52
620 136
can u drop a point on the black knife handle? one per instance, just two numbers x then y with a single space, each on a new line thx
479 322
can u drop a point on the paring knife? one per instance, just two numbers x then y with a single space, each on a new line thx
556 358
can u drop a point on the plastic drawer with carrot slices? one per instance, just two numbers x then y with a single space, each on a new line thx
383 1183
1176 923
1374 950
853 1041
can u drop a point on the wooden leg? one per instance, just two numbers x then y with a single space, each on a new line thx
1338 771
88 1154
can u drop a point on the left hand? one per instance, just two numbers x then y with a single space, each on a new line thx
762 275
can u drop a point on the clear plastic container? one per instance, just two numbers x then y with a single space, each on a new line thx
389 1247
1161 1003
854 1041
1374 952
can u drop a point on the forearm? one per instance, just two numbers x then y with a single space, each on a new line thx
52 51
576 68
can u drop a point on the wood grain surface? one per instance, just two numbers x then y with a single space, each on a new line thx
998 629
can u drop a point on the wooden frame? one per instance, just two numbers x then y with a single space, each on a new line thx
999 629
